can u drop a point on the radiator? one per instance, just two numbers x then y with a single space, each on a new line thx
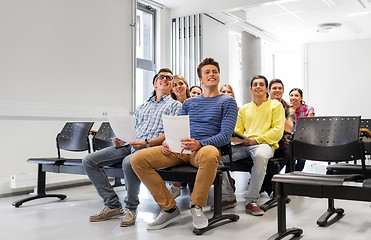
25 180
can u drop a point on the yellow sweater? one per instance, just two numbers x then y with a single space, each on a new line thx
264 123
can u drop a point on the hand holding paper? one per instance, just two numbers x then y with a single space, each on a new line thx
123 127
176 128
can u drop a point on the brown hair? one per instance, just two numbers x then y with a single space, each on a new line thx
207 61
186 83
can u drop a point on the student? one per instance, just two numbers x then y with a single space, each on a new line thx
149 131
299 109
195 91
276 90
212 120
227 89
180 89
262 121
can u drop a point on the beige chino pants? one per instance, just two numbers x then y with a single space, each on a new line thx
146 161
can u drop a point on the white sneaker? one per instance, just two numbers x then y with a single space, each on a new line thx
164 219
199 219
174 191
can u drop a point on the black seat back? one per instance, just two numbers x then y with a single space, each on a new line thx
74 137
330 139
366 123
103 137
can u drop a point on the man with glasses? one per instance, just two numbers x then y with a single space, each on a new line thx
149 132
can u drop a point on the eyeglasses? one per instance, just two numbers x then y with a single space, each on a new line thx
166 78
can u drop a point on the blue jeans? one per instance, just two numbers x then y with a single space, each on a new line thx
260 155
112 156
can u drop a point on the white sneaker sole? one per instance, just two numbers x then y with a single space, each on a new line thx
161 226
202 225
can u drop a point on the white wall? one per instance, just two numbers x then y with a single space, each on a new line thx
234 61
215 45
339 77
59 60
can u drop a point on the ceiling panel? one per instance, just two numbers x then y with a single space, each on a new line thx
296 20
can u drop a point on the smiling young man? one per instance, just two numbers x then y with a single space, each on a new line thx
212 120
276 90
262 121
149 132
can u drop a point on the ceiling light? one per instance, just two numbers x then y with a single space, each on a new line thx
328 27
358 14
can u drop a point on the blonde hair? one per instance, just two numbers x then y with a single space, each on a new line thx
229 87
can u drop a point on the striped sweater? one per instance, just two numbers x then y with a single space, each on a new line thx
212 119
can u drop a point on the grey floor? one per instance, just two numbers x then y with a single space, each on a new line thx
68 219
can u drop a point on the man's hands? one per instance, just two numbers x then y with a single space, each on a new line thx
190 144
165 148
117 142
187 144
251 142
136 145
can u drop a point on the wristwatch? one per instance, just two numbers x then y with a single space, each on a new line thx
147 144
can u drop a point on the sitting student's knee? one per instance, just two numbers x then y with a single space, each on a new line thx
210 155
127 162
136 159
87 161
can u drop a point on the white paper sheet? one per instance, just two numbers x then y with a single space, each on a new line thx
123 127
176 128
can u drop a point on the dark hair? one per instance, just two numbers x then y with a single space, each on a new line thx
207 61
185 82
275 80
195 86
155 77
299 91
259 77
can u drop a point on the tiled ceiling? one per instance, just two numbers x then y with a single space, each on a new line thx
294 21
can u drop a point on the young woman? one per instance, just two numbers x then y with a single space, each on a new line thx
195 91
180 90
227 89
298 109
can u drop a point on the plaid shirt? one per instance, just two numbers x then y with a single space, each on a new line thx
289 111
303 111
148 116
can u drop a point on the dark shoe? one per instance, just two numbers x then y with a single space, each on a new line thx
254 209
226 205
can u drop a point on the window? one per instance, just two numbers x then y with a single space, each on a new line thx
145 49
